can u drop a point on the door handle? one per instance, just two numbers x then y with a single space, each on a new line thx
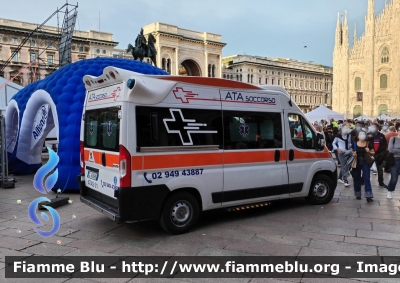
277 155
291 155
103 159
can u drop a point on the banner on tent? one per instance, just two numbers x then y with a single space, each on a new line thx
39 124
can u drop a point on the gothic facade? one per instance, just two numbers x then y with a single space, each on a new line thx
370 66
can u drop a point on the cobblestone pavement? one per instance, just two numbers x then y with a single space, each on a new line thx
344 227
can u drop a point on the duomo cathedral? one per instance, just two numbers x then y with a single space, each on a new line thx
370 68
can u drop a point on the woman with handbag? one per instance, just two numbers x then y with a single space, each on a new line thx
394 148
362 152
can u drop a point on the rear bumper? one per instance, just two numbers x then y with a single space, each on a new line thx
128 204
95 203
101 208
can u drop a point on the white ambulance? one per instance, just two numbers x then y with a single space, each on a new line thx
168 147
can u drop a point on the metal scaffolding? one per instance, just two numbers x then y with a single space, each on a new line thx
5 181
64 36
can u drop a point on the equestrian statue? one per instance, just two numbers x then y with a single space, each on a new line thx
142 49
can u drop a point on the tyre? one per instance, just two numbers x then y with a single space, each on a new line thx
180 213
321 190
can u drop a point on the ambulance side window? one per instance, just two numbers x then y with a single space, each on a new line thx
160 127
252 130
301 133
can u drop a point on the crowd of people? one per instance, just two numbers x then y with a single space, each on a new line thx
362 147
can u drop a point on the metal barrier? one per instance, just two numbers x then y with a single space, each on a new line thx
5 181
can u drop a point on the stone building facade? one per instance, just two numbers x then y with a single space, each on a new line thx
370 66
89 44
309 84
186 52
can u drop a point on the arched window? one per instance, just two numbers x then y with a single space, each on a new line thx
224 76
163 64
231 77
213 71
383 109
248 78
357 83
385 55
384 81
251 79
169 66
241 77
237 77
209 70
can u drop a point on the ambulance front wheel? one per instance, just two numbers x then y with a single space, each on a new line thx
180 213
321 191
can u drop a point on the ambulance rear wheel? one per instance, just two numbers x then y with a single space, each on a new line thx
321 190
180 212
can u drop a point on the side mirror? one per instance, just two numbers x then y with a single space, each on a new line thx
320 141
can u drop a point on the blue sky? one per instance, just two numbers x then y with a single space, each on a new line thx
272 28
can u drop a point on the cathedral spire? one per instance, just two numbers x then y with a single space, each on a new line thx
371 8
338 38
345 39
355 33
338 22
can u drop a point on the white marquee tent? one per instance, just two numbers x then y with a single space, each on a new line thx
323 113
7 91
363 117
384 117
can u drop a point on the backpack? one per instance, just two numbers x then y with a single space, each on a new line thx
389 160
346 141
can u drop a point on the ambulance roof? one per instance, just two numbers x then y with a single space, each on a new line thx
124 75
152 89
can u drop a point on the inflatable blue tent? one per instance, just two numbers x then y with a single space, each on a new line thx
56 102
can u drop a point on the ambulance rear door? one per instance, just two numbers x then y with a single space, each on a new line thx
101 145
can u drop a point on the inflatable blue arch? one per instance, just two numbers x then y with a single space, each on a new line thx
56 102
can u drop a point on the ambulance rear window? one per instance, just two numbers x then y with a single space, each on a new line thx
102 129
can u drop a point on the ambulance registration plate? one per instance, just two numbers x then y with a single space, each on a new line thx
92 175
